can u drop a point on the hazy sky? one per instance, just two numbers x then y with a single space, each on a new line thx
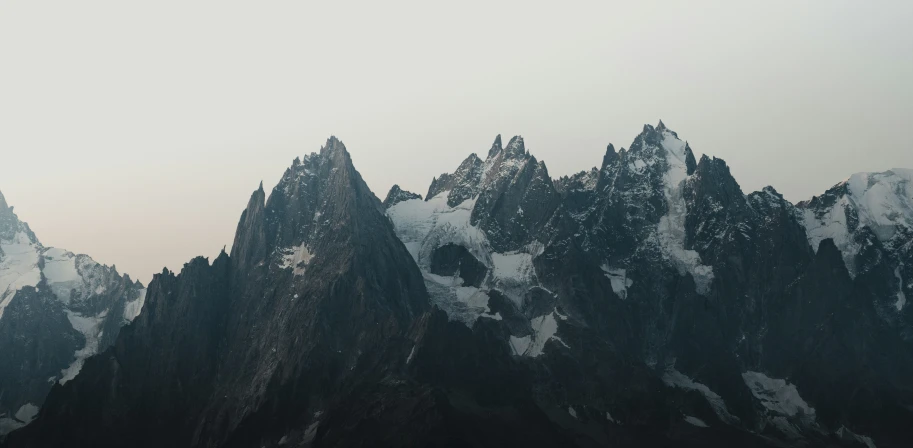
136 132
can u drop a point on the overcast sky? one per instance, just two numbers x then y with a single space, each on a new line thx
135 131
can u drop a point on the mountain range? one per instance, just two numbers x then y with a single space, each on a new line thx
647 301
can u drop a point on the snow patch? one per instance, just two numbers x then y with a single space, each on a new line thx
461 303
513 274
545 328
777 395
845 434
619 279
133 308
671 228
833 225
517 266
23 416
310 433
901 297
572 411
674 378
297 258
90 327
60 270
27 412
696 421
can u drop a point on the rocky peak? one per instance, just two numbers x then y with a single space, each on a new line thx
516 198
397 195
610 157
515 147
3 206
712 176
581 181
495 147
463 184
249 245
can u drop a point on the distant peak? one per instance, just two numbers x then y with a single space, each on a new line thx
260 188
333 144
397 195
3 205
661 126
773 191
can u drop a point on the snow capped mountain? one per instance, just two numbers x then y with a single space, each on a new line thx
56 309
647 301
870 219
880 203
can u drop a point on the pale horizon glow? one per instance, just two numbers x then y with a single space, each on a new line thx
135 133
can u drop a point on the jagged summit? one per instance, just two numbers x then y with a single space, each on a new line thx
516 147
463 184
332 143
495 147
3 205
397 195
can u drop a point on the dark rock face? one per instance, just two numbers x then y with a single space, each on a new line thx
56 309
645 302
